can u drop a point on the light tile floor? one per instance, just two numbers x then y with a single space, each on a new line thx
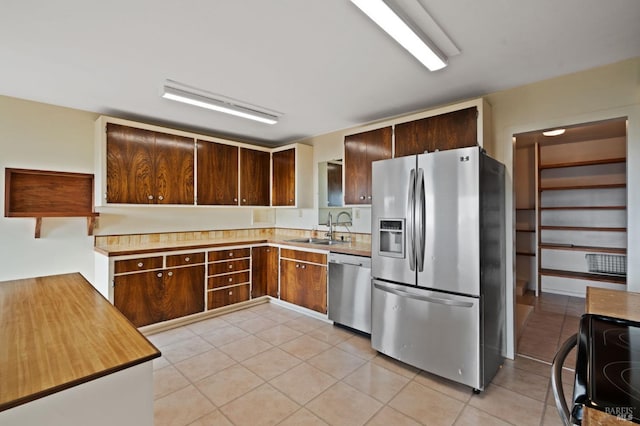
268 365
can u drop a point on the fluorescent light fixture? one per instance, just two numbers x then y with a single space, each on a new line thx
555 132
217 104
419 46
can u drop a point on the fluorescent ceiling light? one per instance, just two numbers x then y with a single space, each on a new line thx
217 104
419 46
555 132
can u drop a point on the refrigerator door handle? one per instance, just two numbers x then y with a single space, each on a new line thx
423 298
419 220
410 231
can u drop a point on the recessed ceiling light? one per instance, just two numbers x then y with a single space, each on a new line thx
217 103
554 132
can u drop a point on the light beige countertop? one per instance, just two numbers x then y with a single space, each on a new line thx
613 303
58 332
356 248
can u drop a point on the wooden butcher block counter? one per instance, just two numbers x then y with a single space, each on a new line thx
58 332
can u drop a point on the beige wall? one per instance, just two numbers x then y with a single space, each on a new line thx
34 135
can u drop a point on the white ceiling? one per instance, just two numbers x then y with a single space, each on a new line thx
322 63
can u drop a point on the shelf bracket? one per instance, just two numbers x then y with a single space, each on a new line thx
38 227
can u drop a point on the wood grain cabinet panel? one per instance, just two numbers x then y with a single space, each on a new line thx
227 296
360 150
217 174
264 271
284 178
140 264
227 280
185 259
304 284
183 291
140 297
147 167
229 254
153 296
229 266
452 130
255 177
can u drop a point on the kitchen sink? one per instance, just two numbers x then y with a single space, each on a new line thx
321 241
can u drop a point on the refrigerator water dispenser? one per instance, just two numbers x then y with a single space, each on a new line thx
391 237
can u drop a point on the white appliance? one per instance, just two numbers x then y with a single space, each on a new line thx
438 263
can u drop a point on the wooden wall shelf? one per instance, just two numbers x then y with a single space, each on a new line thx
584 248
584 163
616 279
39 194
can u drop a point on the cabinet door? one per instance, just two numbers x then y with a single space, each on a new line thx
130 165
360 151
217 174
304 284
264 271
173 169
452 130
284 178
140 297
184 291
255 167
334 184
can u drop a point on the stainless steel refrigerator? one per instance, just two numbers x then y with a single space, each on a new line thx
438 263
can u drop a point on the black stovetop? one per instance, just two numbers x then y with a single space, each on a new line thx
608 367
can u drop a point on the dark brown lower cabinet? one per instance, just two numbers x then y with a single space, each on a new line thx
264 271
139 297
227 296
149 297
184 291
304 284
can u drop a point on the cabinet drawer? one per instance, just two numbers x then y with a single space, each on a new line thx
228 279
230 266
305 256
227 296
140 264
185 259
229 254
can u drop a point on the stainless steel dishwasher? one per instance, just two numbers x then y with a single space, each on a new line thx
350 291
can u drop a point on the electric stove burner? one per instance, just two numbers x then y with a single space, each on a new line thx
608 367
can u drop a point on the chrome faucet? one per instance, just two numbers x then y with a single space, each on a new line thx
330 224
348 215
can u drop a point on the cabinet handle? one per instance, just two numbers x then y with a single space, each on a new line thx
291 201
170 274
230 280
140 264
160 197
362 197
230 293
186 259
150 197
159 275
235 200
244 200
303 266
230 253
369 197
230 266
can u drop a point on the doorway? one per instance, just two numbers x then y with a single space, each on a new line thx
570 227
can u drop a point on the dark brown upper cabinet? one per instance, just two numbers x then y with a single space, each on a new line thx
284 178
217 174
255 171
148 167
360 150
452 130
